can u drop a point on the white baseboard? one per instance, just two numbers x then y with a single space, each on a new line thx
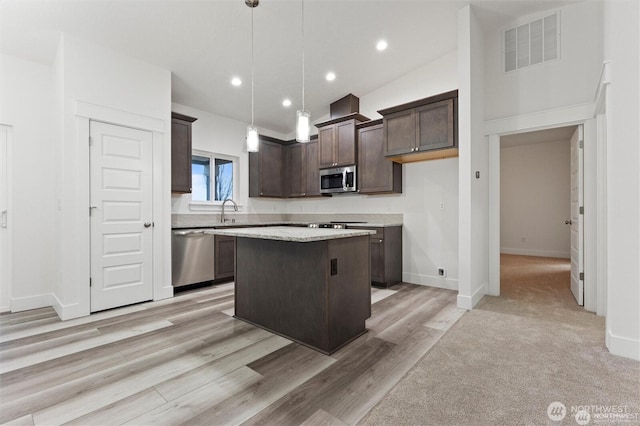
19 304
70 311
430 280
165 292
538 253
468 302
623 346
4 309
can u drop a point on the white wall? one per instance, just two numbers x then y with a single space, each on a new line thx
99 76
473 225
26 104
622 48
569 81
535 191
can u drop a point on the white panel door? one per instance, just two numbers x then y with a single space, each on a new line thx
5 253
121 216
576 221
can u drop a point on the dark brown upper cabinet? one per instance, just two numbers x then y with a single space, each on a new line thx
295 165
422 130
376 174
266 169
337 141
181 152
302 178
312 169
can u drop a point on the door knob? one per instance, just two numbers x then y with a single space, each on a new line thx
147 224
568 222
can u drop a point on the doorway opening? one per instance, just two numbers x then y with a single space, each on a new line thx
540 227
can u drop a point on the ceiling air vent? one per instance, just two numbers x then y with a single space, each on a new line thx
532 43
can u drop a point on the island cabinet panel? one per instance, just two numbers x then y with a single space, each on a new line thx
181 153
225 250
376 174
266 170
290 288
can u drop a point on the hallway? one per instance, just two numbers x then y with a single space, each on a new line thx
537 287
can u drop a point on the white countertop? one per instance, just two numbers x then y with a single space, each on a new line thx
294 234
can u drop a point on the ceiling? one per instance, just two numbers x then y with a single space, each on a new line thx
538 136
206 43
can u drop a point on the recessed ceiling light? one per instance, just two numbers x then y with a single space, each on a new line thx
236 81
381 45
286 103
330 76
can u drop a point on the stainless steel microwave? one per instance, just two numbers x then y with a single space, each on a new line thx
338 180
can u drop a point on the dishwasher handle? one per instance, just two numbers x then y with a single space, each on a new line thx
194 232
190 232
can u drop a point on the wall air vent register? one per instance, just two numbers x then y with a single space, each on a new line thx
532 43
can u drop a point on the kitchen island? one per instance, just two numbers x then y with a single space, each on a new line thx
309 285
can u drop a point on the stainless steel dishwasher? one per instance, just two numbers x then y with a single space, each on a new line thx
192 256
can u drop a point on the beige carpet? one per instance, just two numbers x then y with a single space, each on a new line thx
504 362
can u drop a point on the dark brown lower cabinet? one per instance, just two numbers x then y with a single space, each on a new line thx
386 255
377 260
225 248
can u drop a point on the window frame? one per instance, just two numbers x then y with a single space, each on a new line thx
212 156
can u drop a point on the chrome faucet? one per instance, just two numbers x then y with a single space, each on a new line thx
235 208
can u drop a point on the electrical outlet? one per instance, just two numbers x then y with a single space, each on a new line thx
441 205
442 273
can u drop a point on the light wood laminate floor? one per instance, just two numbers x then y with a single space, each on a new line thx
187 360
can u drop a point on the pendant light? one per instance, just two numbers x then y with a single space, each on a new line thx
303 117
252 131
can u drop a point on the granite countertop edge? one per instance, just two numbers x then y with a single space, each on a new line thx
292 234
278 223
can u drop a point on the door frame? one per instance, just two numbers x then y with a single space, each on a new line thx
8 271
80 269
574 115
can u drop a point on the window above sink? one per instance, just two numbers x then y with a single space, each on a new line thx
214 179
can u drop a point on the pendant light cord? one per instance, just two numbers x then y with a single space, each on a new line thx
252 66
303 55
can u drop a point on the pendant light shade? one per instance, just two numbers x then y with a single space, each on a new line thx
252 138
303 117
253 144
302 126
